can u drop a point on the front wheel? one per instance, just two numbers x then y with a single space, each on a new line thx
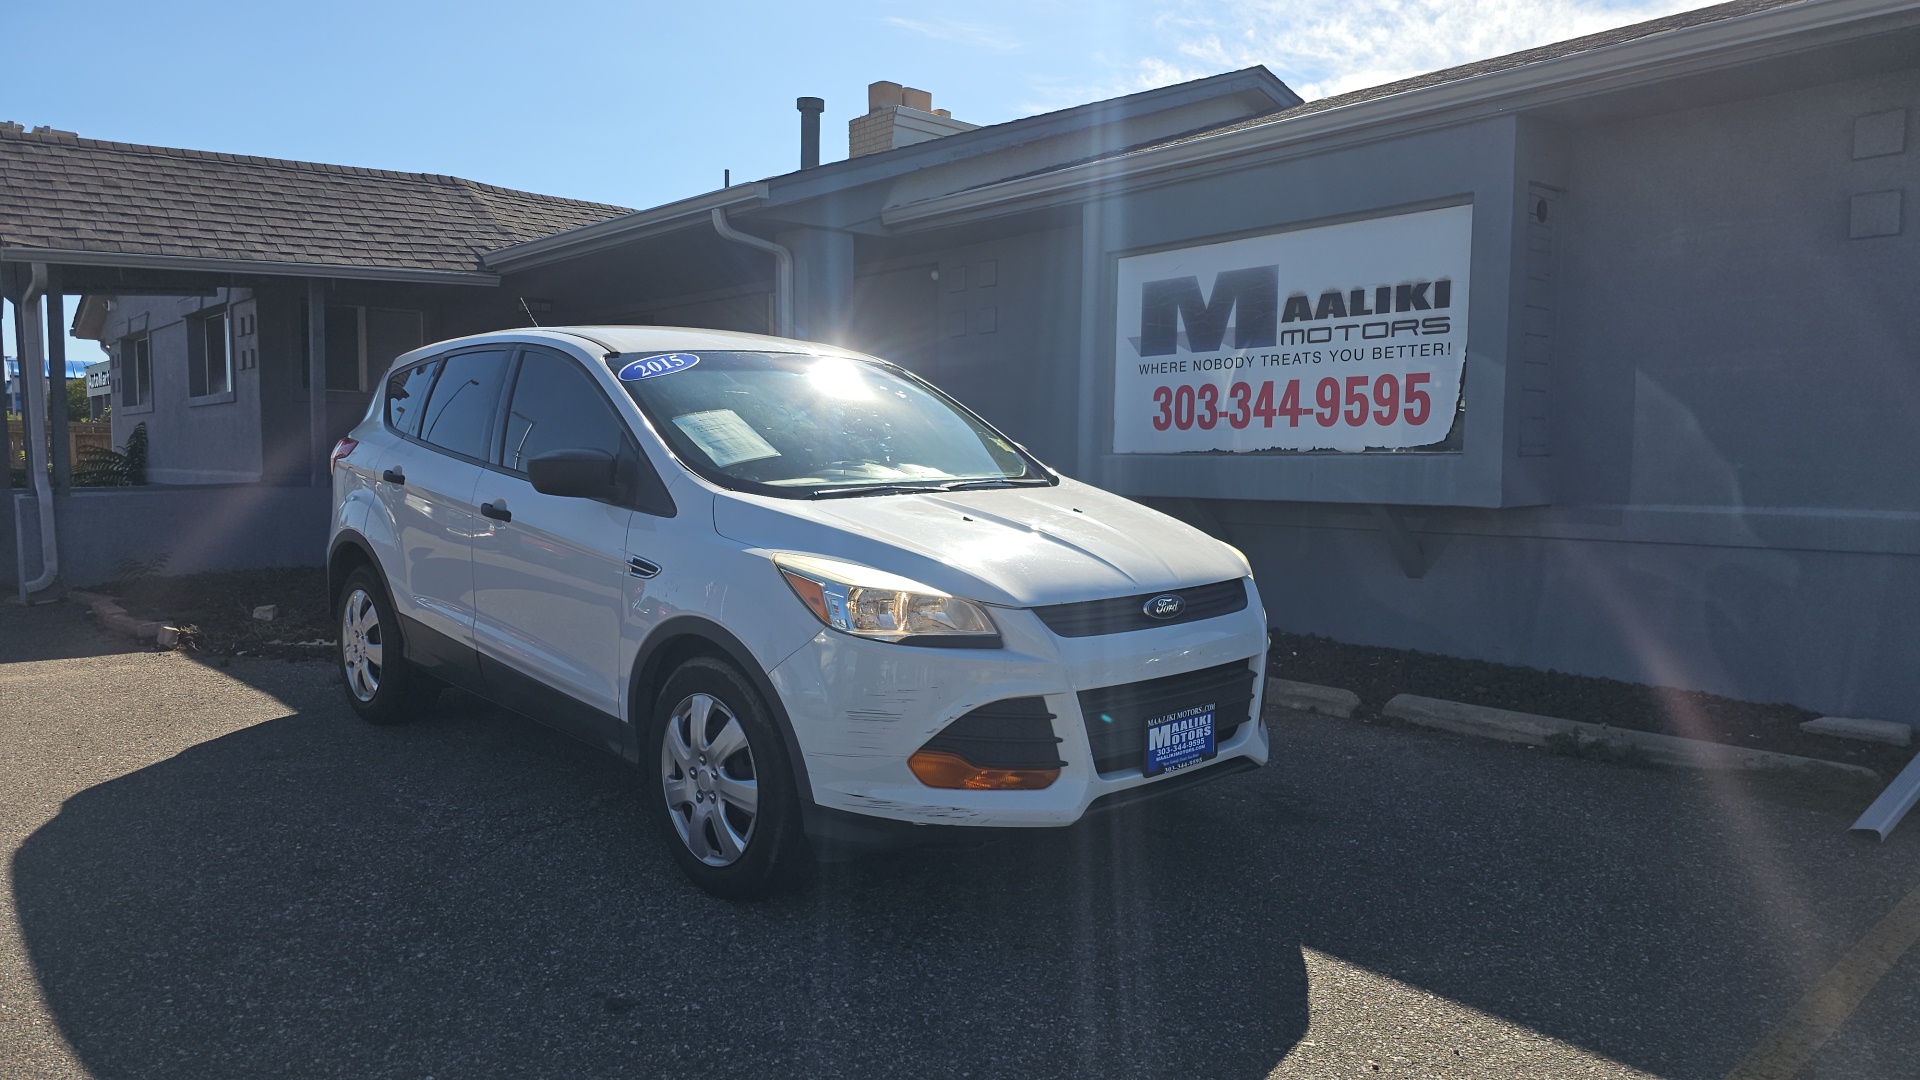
723 789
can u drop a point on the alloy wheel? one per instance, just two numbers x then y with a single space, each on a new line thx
707 774
362 651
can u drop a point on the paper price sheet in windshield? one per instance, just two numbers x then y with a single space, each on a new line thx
1343 337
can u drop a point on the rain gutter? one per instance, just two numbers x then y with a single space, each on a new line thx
782 270
260 267
624 229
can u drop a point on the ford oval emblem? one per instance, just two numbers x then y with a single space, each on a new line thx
1165 606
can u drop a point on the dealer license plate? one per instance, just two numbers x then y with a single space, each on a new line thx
1179 740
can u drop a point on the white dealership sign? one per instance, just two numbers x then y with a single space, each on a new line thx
1343 337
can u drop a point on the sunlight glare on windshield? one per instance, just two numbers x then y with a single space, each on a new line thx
841 379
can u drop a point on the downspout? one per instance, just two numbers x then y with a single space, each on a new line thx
782 270
33 379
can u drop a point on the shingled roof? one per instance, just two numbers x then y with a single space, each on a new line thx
58 191
1554 51
1444 76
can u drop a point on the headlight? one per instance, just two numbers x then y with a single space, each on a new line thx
869 603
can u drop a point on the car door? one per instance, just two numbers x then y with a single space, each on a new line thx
550 572
444 413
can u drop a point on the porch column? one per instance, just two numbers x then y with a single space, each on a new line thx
7 539
62 449
822 282
321 475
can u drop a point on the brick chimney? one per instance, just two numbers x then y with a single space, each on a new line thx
898 116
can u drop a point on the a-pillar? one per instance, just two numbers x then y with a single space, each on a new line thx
822 282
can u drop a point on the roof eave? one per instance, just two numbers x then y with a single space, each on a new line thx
620 230
1641 60
260 267
869 168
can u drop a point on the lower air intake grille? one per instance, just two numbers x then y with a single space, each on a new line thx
1117 716
1089 618
1013 734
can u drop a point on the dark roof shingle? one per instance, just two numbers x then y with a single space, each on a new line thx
59 191
1553 51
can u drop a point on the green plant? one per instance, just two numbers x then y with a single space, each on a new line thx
125 467
77 399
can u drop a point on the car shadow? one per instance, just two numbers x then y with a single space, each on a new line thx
475 895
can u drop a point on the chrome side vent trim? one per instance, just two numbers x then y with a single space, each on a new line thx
641 568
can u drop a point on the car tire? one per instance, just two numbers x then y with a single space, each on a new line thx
720 785
381 685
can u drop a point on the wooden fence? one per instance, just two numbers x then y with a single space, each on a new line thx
79 434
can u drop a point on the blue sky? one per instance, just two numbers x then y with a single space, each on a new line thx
642 103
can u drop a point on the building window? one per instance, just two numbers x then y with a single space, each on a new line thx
209 360
362 343
136 372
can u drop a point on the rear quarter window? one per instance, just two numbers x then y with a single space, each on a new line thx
407 396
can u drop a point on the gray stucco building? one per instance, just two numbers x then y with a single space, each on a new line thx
1596 357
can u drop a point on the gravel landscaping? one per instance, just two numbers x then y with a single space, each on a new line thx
215 611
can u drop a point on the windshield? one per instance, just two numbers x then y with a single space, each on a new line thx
806 426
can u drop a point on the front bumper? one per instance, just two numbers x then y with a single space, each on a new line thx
861 708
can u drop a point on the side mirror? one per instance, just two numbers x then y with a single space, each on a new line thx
575 474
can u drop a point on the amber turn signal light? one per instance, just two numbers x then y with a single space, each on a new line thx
945 769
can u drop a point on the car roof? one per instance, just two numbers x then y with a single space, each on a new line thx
623 340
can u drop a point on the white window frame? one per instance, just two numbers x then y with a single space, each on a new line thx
127 369
197 355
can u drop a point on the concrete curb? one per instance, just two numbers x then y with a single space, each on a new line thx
1846 727
1306 697
1531 730
115 618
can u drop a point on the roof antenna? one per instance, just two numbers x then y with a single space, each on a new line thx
529 311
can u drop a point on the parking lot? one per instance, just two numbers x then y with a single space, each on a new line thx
219 872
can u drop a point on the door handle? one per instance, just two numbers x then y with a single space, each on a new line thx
394 476
497 513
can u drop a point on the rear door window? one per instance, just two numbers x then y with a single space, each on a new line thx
459 413
407 394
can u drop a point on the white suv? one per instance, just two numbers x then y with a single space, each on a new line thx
809 594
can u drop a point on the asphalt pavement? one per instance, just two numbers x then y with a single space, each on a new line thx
219 872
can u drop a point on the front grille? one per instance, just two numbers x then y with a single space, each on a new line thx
1088 618
1116 716
1013 734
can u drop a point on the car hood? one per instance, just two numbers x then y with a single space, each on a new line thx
1022 547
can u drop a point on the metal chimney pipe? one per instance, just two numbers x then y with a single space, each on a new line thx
810 110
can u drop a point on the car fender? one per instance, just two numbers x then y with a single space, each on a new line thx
336 575
648 672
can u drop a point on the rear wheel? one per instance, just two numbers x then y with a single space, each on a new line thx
723 790
381 685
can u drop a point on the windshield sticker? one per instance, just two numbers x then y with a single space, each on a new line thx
725 438
665 364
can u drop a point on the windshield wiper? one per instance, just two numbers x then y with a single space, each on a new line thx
872 489
908 489
998 482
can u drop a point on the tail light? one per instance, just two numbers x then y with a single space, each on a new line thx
341 449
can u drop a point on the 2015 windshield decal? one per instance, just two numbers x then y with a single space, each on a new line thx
649 366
